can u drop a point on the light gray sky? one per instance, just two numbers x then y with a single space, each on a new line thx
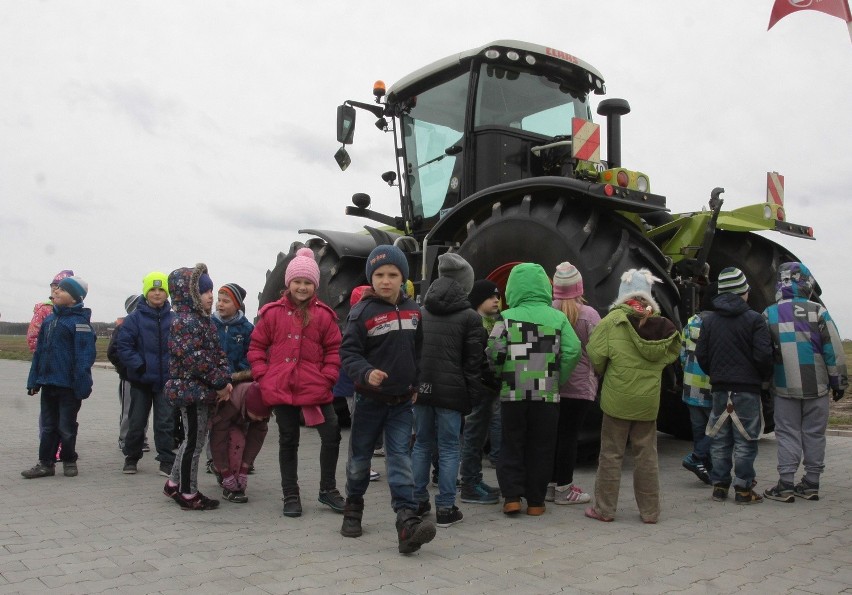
139 136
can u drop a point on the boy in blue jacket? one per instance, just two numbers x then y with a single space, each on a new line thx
62 371
380 353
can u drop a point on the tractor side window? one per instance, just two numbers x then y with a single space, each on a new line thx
434 124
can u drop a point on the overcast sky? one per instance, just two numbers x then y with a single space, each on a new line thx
139 136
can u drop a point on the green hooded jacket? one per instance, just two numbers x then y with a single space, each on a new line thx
532 349
631 358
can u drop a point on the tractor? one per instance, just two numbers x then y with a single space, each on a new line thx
498 159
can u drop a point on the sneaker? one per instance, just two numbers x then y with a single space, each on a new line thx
511 507
780 492
423 508
572 495
129 468
550 495
690 464
413 532
720 492
748 496
39 470
379 452
170 490
444 517
292 506
69 469
374 475
166 469
235 496
807 490
352 514
535 510
479 494
333 500
198 502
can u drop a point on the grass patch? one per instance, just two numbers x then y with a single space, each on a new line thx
15 347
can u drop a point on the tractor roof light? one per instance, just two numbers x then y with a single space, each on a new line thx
492 54
622 179
513 55
642 184
530 59
379 89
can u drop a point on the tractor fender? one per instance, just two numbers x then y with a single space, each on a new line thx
346 243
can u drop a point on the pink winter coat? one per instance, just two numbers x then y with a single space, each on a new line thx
294 365
583 383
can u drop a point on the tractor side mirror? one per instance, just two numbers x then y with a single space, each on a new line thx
342 157
345 124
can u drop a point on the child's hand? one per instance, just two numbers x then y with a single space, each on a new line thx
376 377
33 391
225 393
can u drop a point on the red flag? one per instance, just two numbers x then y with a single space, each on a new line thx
836 8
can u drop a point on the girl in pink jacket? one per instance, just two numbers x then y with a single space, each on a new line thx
294 358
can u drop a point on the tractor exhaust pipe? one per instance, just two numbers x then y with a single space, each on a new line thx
613 109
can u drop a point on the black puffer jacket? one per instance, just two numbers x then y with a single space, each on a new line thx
453 339
734 347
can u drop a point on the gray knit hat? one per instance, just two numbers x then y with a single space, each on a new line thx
457 268
732 280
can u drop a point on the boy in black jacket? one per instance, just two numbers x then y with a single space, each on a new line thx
380 353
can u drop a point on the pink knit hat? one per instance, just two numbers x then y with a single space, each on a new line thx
303 266
567 282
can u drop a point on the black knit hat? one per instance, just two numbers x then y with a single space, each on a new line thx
482 290
236 293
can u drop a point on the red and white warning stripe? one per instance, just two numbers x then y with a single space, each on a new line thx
775 191
586 140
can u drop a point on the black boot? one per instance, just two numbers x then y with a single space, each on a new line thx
352 513
412 531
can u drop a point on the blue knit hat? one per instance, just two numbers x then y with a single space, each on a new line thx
386 254
76 287
205 283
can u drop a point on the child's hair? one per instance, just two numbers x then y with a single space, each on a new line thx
571 309
301 309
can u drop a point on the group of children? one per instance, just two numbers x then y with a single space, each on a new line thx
425 380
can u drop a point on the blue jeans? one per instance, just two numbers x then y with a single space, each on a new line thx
142 398
698 416
436 426
369 420
476 426
59 408
731 441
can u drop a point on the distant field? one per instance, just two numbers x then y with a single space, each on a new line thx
15 347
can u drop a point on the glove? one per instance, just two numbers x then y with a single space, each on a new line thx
32 391
837 393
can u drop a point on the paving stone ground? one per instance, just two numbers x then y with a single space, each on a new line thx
106 532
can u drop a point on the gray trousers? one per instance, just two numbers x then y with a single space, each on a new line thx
800 433
124 413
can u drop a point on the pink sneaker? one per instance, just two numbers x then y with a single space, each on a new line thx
572 495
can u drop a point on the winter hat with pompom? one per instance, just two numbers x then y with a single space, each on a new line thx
637 283
303 266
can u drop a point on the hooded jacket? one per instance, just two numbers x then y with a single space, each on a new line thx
808 352
235 336
630 357
65 351
533 348
696 383
295 365
452 356
198 366
40 312
734 347
583 383
142 344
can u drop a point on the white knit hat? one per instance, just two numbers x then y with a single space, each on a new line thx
637 283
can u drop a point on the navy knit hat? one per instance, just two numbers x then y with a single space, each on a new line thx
386 254
205 283
732 280
236 293
76 287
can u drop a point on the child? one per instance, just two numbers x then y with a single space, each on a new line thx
294 356
533 349
234 331
629 349
735 349
697 391
484 298
238 428
809 364
576 394
143 350
198 376
62 370
450 368
380 352
123 384
44 309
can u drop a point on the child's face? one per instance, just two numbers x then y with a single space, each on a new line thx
61 297
156 297
491 306
207 301
301 289
387 282
225 306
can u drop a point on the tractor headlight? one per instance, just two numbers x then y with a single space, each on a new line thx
642 184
